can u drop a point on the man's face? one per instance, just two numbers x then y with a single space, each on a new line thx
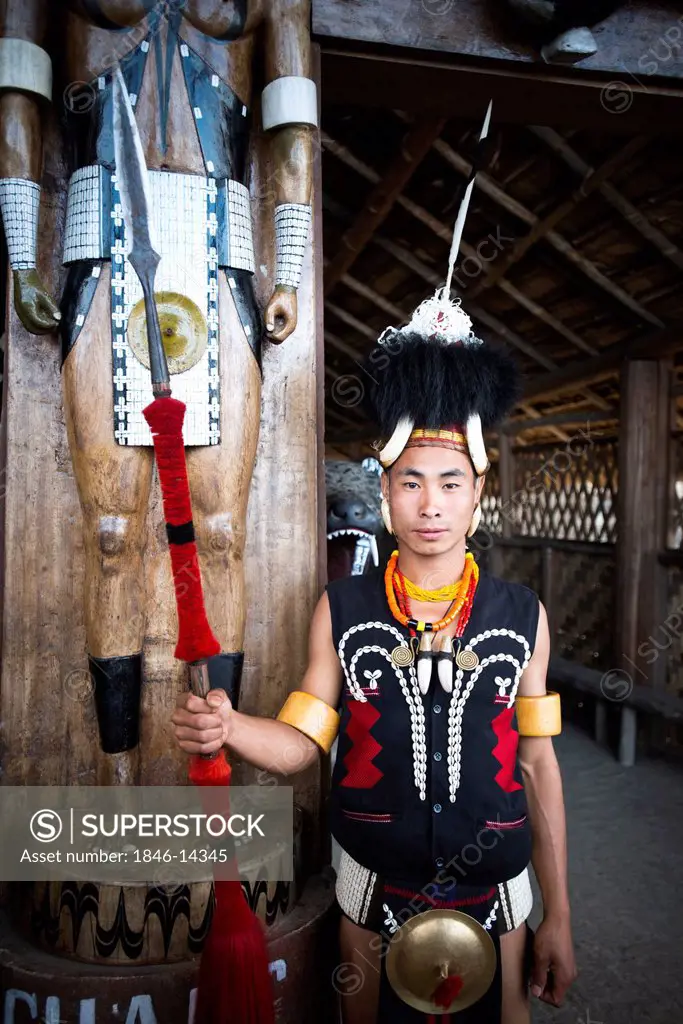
432 494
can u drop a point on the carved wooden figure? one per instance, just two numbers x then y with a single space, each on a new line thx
197 72
188 66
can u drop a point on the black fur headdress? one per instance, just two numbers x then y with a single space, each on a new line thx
438 383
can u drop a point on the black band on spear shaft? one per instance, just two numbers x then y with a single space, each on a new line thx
182 534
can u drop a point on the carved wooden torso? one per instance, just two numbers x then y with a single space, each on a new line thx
98 33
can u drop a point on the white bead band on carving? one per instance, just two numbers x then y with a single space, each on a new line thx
289 100
19 204
292 221
25 67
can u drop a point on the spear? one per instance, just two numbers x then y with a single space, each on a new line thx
234 983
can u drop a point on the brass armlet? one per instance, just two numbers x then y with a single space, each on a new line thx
311 716
539 716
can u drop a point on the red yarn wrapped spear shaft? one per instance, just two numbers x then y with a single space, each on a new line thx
234 981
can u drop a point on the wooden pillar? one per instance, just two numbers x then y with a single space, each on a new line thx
643 471
505 477
548 572
506 470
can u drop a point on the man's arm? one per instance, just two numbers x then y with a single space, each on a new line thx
290 115
25 83
203 725
543 787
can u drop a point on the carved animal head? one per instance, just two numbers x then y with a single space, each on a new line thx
353 517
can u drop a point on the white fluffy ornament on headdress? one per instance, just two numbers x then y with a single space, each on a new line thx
439 318
444 319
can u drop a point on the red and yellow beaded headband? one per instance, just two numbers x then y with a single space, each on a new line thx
445 437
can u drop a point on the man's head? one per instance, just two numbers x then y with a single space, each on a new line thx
432 493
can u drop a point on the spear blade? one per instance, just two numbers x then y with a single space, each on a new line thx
133 185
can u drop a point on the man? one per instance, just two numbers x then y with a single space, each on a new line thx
445 784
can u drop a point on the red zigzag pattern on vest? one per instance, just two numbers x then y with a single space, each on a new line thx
361 772
505 750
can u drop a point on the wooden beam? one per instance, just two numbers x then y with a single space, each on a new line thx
560 244
414 147
352 321
593 681
537 418
576 375
624 206
544 225
445 233
476 311
483 269
534 95
399 315
341 346
471 29
566 419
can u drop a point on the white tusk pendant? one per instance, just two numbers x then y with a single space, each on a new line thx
424 662
444 663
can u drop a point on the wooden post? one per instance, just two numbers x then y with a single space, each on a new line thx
643 469
548 587
506 469
600 722
505 476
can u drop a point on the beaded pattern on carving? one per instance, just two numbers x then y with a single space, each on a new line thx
292 222
456 708
19 203
410 691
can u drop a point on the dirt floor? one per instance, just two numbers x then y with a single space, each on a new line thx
625 829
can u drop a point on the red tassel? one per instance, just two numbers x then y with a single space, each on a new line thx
234 986
448 990
195 636
210 771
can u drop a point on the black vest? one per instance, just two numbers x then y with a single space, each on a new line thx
430 785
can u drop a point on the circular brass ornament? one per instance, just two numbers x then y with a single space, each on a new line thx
466 660
184 332
435 944
402 656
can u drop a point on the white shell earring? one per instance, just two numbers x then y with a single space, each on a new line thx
476 519
386 515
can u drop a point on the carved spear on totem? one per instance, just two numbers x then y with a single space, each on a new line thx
234 982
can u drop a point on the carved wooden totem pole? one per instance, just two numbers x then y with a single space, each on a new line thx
226 109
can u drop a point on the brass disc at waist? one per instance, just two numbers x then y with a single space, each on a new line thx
184 332
431 946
